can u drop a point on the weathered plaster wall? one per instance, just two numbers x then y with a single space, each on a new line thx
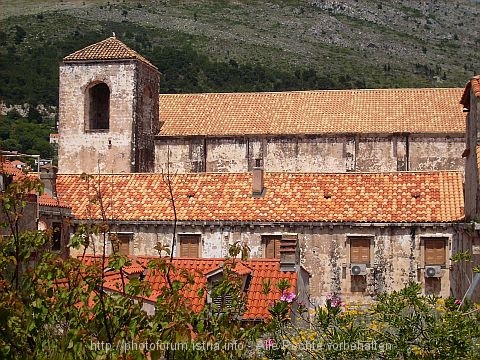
436 153
90 152
227 155
397 253
178 156
375 153
315 154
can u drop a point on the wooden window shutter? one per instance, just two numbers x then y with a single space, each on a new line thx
272 246
360 250
434 251
124 244
189 245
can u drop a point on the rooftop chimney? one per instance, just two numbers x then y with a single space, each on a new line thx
258 186
289 253
48 176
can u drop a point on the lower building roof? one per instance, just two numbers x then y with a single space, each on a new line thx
262 271
396 197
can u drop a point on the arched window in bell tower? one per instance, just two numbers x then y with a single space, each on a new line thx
98 107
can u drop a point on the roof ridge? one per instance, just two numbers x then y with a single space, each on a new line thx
244 173
312 91
110 48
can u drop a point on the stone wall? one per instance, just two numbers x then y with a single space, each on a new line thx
98 151
145 117
128 144
340 153
397 253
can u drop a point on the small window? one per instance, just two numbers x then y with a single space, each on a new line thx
359 250
272 246
121 243
99 107
189 245
224 300
57 236
434 251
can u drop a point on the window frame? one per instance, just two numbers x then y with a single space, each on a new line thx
90 122
266 239
446 250
121 236
362 237
198 238
56 236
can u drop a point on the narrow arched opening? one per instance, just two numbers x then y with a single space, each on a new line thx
99 107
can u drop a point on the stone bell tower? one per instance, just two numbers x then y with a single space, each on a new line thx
108 110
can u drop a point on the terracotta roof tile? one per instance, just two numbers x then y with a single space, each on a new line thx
8 167
262 270
289 197
376 111
476 85
48 200
108 49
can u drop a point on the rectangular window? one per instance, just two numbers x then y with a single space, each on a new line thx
124 243
272 246
435 251
57 236
189 245
359 250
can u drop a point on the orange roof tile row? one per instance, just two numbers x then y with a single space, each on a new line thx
289 197
379 111
8 167
262 270
475 83
48 200
108 49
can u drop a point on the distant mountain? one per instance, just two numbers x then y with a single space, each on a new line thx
247 45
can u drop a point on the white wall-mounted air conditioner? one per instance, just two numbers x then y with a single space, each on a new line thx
358 269
433 271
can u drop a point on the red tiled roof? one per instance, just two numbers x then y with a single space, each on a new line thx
289 197
377 111
108 49
9 168
48 200
262 270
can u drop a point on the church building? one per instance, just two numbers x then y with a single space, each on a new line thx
367 185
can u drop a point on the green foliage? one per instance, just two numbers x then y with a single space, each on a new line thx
26 135
399 325
54 308
32 46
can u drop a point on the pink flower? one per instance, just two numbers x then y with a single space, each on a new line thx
334 301
458 302
288 296
269 344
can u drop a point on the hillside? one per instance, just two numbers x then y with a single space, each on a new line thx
247 45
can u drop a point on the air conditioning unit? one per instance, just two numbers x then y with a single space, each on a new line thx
433 271
358 269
